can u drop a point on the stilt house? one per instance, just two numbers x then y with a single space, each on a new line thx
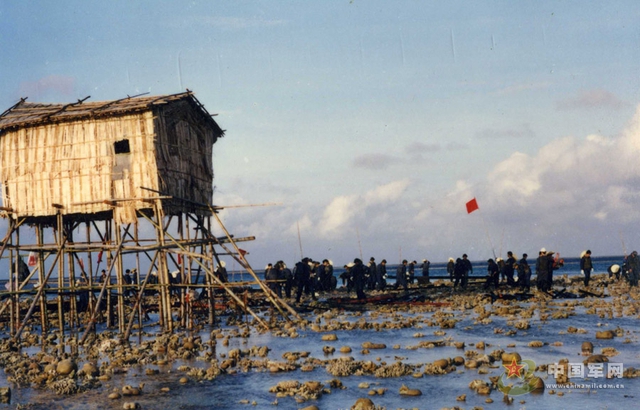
95 160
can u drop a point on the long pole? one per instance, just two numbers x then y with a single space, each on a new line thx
300 240
484 223
359 244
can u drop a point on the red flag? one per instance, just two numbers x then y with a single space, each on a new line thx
99 257
472 205
242 252
179 259
32 259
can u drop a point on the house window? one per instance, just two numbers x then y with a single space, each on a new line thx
122 147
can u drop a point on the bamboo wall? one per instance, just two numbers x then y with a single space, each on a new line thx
72 164
184 153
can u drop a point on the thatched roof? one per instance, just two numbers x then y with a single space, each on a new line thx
25 114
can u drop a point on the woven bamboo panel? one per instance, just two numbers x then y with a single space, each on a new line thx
72 164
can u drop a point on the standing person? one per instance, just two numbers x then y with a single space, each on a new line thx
544 270
401 276
524 273
358 273
468 269
286 274
493 274
425 269
103 276
586 266
501 269
458 272
381 275
373 274
221 272
509 269
451 265
127 282
303 278
411 271
329 281
272 275
633 268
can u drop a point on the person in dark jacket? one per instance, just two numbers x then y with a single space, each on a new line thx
401 276
127 282
451 268
372 272
468 269
285 273
524 273
358 273
586 266
425 269
614 271
501 269
633 268
221 272
272 275
493 274
509 268
411 272
544 270
302 274
381 275
458 272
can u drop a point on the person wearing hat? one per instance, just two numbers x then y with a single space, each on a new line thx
346 277
425 269
586 266
614 270
451 268
381 275
401 276
372 274
221 272
544 270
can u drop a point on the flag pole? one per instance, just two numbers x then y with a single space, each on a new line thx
473 206
300 240
484 223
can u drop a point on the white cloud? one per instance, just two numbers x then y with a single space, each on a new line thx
341 211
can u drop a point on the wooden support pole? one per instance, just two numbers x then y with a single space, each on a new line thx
275 300
90 324
217 281
40 292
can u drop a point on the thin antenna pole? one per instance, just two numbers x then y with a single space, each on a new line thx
359 244
300 240
624 248
484 223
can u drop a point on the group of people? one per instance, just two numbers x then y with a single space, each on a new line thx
499 270
308 276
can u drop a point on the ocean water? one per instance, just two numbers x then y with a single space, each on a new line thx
231 390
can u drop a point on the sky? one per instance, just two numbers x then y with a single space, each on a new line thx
372 123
